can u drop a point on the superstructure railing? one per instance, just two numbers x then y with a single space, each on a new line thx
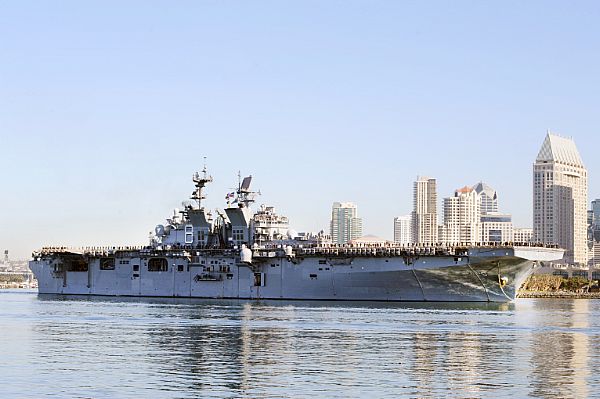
299 249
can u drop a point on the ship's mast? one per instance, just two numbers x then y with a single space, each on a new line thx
200 182
245 197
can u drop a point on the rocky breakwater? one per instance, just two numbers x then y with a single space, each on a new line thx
549 286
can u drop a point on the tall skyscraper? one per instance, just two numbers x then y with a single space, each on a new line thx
595 215
495 226
345 223
594 233
462 217
488 198
560 198
424 215
402 230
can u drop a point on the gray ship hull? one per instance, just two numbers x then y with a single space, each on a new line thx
489 275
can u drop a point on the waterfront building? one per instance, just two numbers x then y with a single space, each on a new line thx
471 216
560 198
595 214
488 198
496 227
424 215
345 223
403 230
462 214
523 235
5 263
594 222
594 253
594 234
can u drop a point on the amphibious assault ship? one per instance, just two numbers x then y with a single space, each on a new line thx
238 253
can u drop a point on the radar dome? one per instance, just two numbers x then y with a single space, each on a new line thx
292 233
246 255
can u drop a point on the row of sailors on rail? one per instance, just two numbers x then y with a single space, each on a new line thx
321 245
390 244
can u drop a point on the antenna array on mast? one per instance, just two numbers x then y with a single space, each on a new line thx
200 182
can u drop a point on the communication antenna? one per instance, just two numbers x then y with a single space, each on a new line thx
200 182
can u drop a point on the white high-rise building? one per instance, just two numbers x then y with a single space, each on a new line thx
594 253
595 214
560 198
488 198
495 226
424 215
594 233
403 230
462 217
345 223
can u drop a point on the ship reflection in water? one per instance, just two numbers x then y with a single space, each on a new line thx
113 348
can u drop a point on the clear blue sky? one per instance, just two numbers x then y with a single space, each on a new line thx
106 108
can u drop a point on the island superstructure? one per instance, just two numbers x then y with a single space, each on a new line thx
240 253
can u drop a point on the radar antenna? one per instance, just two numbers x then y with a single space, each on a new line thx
245 196
200 182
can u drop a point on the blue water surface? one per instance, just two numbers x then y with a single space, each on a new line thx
101 347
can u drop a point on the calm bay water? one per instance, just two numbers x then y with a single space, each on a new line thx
77 347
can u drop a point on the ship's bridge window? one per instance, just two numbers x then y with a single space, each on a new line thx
238 235
158 265
107 263
189 234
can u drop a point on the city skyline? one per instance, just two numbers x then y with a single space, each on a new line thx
101 127
327 226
